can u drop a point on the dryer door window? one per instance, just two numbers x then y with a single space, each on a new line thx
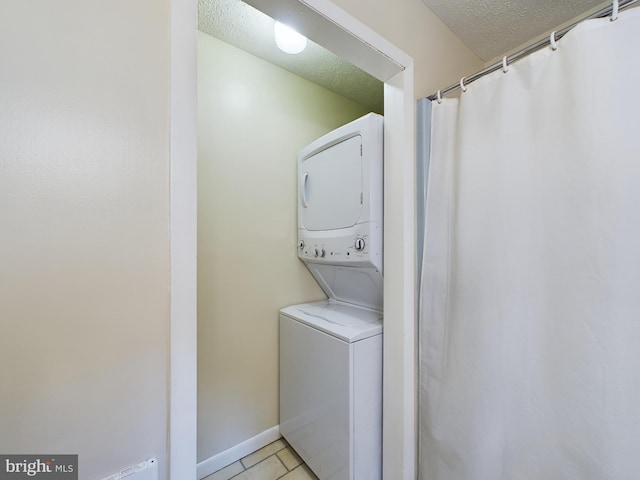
330 185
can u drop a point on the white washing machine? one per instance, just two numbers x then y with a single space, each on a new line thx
331 351
331 388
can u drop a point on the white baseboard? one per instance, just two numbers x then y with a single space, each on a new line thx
235 453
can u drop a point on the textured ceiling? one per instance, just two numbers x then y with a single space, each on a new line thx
493 28
243 26
490 28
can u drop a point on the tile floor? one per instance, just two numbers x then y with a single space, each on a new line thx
276 461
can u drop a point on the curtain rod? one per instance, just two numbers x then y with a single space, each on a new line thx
604 12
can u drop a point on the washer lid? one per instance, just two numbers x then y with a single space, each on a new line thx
349 323
349 285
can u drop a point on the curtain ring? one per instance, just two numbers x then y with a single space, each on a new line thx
505 65
439 97
614 10
552 41
464 89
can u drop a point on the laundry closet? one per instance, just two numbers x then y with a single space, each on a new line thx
253 119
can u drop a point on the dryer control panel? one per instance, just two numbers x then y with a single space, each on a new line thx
359 247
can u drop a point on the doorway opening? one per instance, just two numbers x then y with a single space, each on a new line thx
330 26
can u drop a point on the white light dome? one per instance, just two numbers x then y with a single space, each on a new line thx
288 40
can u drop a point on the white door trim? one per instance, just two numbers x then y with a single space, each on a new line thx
182 446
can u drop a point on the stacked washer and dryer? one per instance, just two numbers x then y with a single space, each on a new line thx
331 351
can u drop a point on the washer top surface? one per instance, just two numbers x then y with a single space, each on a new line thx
344 321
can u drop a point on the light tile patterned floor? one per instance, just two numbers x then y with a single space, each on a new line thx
276 461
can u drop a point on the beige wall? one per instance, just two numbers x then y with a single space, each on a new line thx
84 249
253 118
440 58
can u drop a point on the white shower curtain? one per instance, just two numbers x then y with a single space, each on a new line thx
530 302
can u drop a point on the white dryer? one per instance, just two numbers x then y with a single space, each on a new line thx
340 211
331 351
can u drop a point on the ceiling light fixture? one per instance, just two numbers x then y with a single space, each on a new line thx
288 40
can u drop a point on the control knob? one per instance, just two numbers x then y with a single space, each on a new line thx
301 245
315 252
359 244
